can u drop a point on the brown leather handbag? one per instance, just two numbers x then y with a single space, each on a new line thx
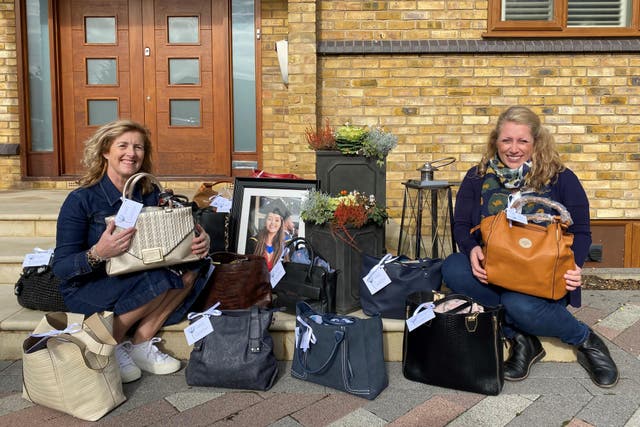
529 258
237 282
206 192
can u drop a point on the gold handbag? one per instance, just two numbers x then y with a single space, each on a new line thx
163 236
529 258
69 364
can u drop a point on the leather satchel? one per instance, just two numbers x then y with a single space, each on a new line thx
216 224
237 354
529 258
237 282
407 276
341 352
312 283
69 364
460 348
163 236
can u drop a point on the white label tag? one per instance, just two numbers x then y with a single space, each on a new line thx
221 204
198 330
376 279
128 213
277 273
37 258
421 317
513 215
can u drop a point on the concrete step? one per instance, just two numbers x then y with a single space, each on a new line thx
17 322
12 252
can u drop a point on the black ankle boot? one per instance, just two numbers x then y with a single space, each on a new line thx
525 351
594 356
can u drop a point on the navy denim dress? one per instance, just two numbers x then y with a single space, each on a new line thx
81 222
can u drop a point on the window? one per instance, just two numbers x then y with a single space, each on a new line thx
563 18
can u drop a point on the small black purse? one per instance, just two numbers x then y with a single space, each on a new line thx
38 288
311 283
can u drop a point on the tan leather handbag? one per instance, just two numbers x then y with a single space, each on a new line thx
69 364
163 236
529 258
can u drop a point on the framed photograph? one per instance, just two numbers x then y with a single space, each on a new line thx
256 200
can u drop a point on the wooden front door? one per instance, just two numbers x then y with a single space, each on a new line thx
159 62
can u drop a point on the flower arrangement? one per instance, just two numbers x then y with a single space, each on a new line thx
353 140
349 209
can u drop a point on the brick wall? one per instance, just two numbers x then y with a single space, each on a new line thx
9 114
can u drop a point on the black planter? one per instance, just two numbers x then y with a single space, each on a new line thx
346 259
337 172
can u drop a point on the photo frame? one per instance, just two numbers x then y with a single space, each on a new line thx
253 197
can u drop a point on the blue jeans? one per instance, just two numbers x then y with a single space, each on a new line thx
523 313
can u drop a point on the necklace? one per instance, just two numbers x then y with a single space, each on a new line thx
269 249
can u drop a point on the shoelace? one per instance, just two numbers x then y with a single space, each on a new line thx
154 351
123 356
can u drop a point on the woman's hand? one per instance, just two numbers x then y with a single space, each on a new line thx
573 278
476 257
201 243
111 244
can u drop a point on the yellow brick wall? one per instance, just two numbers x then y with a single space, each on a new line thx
446 106
9 114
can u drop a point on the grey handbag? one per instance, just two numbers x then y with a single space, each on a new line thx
163 236
237 354
347 353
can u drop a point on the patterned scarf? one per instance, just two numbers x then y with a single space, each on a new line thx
500 182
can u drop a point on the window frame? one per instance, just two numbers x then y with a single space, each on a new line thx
557 27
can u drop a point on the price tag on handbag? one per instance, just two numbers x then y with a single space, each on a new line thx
421 315
198 330
128 213
221 204
277 273
376 279
513 215
37 258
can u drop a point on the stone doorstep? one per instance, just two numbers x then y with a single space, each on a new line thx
17 322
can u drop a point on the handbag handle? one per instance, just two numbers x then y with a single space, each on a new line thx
339 337
296 243
565 216
133 180
254 331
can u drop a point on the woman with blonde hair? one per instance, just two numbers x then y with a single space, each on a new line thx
144 301
521 158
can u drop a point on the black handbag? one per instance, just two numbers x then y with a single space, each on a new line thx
311 283
407 277
216 224
347 353
237 354
38 288
459 348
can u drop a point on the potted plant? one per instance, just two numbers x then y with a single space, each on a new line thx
351 157
341 228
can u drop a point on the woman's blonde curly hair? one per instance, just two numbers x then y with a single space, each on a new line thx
545 159
99 144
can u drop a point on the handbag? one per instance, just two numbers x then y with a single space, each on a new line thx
37 288
69 364
216 224
163 236
529 258
313 283
257 173
341 352
205 193
407 276
237 282
238 353
459 348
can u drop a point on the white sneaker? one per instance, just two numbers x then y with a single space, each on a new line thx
148 358
128 369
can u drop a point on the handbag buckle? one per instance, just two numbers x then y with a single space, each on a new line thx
471 322
151 255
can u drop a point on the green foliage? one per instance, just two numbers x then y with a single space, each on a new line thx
317 208
378 143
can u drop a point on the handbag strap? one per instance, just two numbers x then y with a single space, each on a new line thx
339 338
133 180
255 330
565 216
295 243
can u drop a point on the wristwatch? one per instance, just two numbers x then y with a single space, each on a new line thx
93 258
